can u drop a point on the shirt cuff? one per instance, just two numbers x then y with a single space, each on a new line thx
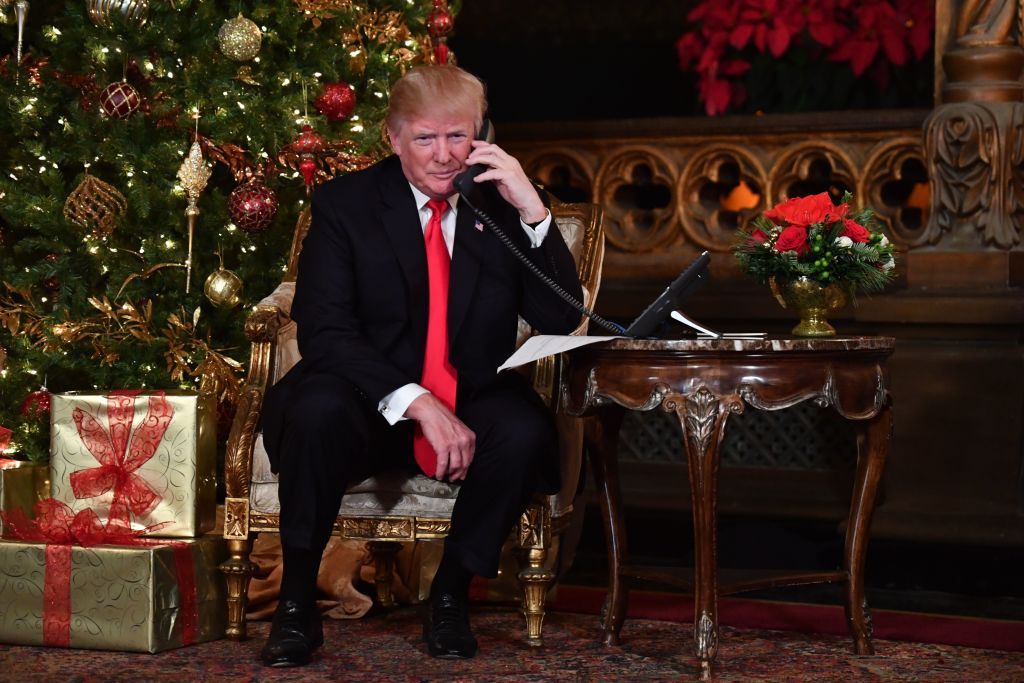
394 405
536 234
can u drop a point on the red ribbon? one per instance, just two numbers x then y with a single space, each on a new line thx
59 528
5 438
120 453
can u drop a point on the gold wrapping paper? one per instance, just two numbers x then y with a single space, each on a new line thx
22 485
124 598
182 470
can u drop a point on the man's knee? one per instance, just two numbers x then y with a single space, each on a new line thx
326 410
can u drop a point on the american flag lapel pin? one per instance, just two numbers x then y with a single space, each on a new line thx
479 226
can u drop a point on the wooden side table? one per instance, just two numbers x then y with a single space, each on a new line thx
702 382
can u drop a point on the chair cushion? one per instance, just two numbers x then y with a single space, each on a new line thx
387 495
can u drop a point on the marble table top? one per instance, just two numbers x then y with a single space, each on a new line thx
749 345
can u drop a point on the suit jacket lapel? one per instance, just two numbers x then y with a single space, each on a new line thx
401 223
467 255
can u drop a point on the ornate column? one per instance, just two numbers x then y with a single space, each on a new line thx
974 139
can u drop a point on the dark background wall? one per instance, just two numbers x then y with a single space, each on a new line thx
576 59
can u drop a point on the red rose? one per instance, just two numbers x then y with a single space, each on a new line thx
793 238
758 237
855 231
804 211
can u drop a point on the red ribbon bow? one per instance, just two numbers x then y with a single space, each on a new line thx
59 528
5 438
120 456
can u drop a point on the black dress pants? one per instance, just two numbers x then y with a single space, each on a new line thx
334 437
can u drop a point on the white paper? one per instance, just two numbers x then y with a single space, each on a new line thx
544 345
705 333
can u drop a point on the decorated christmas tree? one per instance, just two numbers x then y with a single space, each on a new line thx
156 157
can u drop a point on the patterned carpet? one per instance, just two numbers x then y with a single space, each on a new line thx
388 647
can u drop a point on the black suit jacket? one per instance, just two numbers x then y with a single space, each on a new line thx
361 299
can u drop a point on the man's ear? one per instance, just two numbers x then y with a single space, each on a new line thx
392 136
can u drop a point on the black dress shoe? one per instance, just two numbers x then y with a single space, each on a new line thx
294 635
446 628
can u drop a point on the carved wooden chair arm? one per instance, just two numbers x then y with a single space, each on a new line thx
264 322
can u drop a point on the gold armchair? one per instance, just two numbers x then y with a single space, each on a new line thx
388 510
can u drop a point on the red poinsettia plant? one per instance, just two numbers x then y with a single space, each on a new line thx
783 49
812 237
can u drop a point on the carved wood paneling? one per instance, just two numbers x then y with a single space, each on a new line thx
895 185
671 189
708 180
977 152
812 167
635 186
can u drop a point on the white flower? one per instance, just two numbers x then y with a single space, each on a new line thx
890 264
883 240
844 242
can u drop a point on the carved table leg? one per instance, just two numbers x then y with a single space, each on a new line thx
603 439
237 571
702 416
872 449
384 554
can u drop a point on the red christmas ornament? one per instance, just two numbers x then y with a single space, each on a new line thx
120 100
308 168
337 102
441 53
36 404
440 21
308 141
252 206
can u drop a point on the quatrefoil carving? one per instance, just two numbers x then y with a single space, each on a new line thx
564 174
811 168
895 183
722 187
635 187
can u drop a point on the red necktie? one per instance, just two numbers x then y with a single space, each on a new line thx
439 376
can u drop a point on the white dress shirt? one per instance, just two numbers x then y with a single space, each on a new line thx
394 405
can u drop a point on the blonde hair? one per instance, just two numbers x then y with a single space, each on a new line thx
438 90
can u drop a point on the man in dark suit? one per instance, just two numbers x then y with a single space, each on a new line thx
405 307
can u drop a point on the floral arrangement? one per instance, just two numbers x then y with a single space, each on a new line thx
812 237
783 53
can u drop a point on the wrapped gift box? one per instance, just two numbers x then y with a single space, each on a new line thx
22 485
144 457
145 598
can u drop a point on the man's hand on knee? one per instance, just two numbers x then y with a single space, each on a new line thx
452 440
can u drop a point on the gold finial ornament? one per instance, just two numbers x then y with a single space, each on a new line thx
193 176
95 205
239 38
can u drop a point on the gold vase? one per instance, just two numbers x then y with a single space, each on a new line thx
812 302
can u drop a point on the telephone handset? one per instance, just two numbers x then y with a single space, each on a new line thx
465 181
466 186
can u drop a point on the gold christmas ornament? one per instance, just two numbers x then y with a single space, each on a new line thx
239 38
245 75
95 205
223 288
193 175
101 12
